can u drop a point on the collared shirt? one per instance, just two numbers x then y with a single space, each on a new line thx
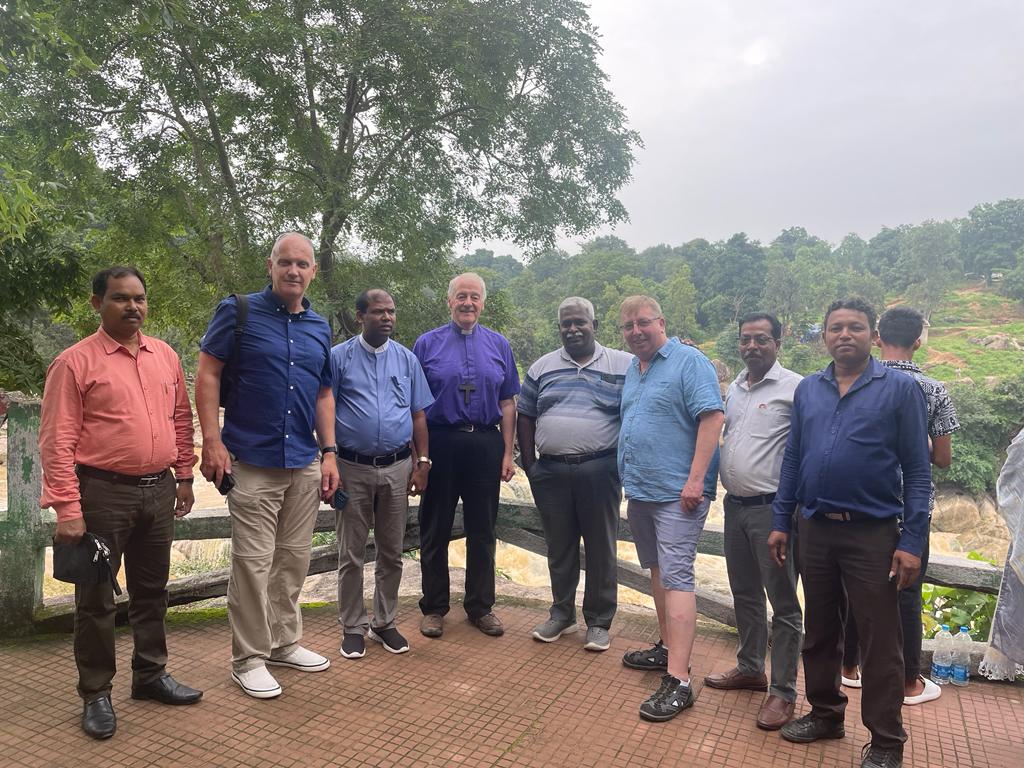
480 360
942 419
846 454
376 392
576 406
756 427
661 411
283 360
105 408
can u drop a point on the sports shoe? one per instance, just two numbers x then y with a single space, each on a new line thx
809 728
301 659
930 693
353 646
876 757
671 698
597 639
552 629
390 638
258 683
655 658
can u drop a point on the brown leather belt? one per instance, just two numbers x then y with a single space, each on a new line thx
139 481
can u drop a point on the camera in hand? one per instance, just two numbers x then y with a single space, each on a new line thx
227 482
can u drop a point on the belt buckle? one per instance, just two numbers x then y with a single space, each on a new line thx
840 516
148 481
467 428
377 459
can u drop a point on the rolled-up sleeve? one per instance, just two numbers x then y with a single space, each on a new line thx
59 431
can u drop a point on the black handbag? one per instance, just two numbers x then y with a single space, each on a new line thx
86 563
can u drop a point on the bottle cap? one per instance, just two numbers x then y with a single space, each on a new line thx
963 630
946 627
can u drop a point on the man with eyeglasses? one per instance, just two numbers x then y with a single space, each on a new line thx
569 412
672 416
758 405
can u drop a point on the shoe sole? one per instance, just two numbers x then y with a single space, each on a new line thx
662 718
550 639
645 667
596 647
374 636
272 693
358 655
173 703
300 667
758 688
841 733
99 736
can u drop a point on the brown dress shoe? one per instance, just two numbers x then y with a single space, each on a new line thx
432 625
734 680
489 624
775 713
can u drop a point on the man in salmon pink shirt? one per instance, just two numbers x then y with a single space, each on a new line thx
116 445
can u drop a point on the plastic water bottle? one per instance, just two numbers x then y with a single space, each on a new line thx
942 659
961 658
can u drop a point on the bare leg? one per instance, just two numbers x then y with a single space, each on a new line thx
682 627
658 592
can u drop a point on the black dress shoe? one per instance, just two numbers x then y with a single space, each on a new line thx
98 718
166 690
809 728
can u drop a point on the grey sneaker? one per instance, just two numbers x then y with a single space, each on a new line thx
597 639
552 629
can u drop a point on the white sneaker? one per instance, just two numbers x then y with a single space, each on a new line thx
850 682
258 683
301 659
930 693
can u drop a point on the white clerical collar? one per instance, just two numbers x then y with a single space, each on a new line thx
374 350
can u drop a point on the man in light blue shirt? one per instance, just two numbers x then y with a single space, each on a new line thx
380 393
672 416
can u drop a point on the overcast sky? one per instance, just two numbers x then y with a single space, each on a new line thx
836 116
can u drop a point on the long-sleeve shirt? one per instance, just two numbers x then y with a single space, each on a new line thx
846 454
104 408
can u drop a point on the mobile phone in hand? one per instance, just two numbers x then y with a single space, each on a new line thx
340 499
227 482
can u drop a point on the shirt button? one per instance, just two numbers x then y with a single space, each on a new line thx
291 387
291 341
286 436
291 363
289 411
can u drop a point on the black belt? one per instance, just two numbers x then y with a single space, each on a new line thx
375 461
846 516
139 481
578 458
753 501
464 427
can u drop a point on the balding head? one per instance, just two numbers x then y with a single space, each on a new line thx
292 268
466 295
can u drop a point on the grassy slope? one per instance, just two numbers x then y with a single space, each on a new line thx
973 312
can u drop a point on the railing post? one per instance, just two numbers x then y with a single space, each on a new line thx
21 550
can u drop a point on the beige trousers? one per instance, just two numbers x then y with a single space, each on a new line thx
273 513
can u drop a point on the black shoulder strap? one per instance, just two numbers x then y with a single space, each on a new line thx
241 315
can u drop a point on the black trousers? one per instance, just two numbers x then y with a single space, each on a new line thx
467 465
138 525
910 618
839 560
580 501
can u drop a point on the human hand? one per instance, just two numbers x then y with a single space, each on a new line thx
70 531
216 462
508 468
778 542
692 494
418 479
905 568
330 478
184 499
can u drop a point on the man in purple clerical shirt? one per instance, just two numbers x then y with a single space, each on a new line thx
474 381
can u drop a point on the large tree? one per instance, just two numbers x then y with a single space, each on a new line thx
387 127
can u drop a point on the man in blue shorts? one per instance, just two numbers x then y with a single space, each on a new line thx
672 416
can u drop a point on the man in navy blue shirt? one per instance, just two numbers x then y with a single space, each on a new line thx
474 381
280 392
857 426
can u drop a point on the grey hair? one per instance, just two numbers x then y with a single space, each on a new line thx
577 301
475 276
281 238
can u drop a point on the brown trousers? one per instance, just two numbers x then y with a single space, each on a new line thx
855 556
138 525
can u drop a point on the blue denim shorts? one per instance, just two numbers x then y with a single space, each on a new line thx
666 537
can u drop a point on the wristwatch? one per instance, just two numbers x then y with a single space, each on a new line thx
328 449
424 460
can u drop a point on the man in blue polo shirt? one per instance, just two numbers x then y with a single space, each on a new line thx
672 416
280 391
380 393
856 427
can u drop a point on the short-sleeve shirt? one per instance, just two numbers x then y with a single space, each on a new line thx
661 411
756 427
576 406
478 364
376 392
282 361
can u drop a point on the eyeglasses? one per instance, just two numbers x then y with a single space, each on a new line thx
643 324
761 340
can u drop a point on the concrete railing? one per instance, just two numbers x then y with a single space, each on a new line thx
25 532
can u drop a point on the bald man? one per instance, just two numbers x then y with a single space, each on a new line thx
278 371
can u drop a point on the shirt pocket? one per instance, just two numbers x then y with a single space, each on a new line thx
867 426
662 397
606 397
400 386
767 422
170 392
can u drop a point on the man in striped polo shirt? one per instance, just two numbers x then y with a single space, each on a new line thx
569 412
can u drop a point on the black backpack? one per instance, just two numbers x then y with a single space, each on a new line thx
228 375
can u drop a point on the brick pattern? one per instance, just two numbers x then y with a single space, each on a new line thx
463 700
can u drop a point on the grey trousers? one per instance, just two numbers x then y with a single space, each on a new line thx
377 497
752 574
574 501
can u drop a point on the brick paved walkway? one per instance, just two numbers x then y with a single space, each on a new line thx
465 700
